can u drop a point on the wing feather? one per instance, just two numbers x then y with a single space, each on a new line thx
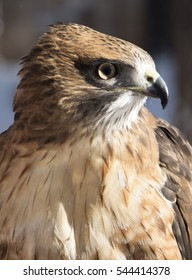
175 155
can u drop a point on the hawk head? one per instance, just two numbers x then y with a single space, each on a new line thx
76 77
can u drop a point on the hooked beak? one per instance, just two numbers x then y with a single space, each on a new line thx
158 89
153 86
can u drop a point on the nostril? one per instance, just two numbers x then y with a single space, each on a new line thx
150 79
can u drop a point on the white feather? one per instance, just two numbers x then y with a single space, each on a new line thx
64 234
123 112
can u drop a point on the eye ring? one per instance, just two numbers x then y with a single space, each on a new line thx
106 71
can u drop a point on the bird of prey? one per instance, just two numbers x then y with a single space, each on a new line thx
86 171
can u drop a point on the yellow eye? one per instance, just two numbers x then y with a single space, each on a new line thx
106 71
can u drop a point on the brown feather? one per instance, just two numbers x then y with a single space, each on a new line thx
176 161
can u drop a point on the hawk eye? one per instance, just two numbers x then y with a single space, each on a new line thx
106 71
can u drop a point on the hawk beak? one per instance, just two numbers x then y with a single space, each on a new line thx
158 89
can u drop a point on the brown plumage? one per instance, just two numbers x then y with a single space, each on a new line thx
86 172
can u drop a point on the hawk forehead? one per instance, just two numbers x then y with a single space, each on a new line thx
86 42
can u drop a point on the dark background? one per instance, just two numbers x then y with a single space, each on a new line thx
163 28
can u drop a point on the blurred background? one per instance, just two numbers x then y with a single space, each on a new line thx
163 28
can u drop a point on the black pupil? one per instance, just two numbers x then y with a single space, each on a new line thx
107 70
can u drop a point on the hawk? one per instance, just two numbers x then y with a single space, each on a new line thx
86 171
